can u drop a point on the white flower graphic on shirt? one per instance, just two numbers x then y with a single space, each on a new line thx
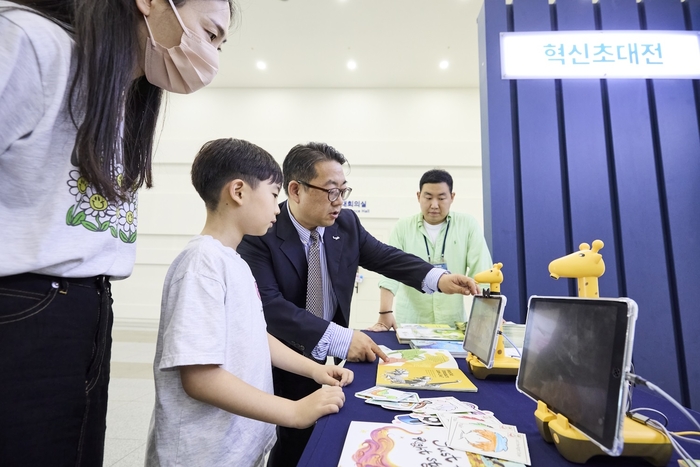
77 185
114 212
127 219
93 204
95 213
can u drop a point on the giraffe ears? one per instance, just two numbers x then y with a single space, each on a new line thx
597 245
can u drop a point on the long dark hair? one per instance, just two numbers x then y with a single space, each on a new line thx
104 97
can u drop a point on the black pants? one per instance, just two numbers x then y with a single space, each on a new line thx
290 442
55 345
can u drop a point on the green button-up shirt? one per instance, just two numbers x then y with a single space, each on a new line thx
466 253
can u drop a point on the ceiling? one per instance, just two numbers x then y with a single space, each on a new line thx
395 43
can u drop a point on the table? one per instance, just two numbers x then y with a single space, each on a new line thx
495 394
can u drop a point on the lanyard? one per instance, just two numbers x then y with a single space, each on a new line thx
444 242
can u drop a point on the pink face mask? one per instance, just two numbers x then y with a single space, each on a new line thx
182 69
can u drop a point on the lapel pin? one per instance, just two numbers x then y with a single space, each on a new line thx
336 238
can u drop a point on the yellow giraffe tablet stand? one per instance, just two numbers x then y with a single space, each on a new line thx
640 440
586 265
492 276
502 364
543 416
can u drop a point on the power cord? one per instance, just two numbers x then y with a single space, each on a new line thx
636 379
647 409
631 388
673 437
511 343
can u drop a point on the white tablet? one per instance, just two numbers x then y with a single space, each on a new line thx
481 335
576 355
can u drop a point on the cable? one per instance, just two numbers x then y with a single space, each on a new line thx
511 343
639 409
658 390
676 445
690 440
686 433
636 379
655 424
631 388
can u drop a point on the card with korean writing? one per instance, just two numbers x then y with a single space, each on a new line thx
370 444
500 443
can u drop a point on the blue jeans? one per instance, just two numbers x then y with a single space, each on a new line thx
55 346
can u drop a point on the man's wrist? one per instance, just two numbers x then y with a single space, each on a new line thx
438 281
430 283
342 338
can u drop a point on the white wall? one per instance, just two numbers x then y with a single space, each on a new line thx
390 137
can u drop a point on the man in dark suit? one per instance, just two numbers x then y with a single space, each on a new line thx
312 232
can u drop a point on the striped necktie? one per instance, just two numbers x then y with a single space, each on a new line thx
314 285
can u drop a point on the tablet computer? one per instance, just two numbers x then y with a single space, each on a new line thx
576 356
481 335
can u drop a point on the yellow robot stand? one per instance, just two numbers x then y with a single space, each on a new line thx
502 364
640 440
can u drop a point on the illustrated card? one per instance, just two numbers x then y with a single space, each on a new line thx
488 441
370 444
444 404
386 394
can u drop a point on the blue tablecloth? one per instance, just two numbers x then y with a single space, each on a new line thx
497 395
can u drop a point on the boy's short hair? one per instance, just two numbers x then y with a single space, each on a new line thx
222 160
436 176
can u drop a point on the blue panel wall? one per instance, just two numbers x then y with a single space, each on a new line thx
678 168
502 227
544 228
686 254
569 161
585 154
640 215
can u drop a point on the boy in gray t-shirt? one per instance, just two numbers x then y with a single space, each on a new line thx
213 365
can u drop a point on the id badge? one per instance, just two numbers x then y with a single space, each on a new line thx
440 264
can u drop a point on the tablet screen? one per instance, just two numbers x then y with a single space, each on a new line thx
576 353
481 335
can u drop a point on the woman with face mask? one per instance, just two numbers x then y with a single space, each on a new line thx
81 83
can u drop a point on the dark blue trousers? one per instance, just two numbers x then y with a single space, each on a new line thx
55 346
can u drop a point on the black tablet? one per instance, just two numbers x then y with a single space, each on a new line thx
576 355
481 335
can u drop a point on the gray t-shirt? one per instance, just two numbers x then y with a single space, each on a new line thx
211 313
51 220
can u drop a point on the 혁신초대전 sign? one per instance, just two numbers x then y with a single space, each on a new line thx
600 54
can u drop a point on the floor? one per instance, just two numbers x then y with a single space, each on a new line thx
131 397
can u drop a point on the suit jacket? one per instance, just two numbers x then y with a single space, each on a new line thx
280 267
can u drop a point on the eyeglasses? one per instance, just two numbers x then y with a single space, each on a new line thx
333 193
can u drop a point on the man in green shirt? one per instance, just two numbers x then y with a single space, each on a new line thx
451 240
